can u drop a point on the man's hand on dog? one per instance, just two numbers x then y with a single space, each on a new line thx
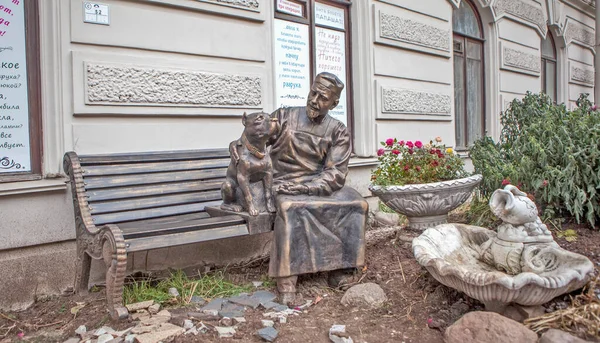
292 189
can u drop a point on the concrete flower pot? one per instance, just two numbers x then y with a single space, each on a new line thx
427 205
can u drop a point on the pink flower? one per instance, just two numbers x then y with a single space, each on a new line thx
429 321
389 142
545 183
380 152
410 151
418 144
435 163
406 167
418 168
505 182
395 152
410 144
401 143
21 335
595 107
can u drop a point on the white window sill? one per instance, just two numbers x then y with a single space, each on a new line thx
362 162
38 186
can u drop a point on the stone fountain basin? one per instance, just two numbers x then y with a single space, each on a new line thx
450 252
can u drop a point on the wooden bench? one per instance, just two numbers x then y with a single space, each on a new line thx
140 201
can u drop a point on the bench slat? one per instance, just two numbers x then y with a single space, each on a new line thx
147 243
138 231
159 189
163 220
97 182
151 213
154 167
152 202
155 156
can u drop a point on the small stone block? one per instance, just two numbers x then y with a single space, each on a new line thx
239 320
154 308
173 292
139 306
226 321
264 296
165 331
269 334
188 324
81 330
231 314
267 323
245 300
204 316
275 306
197 300
72 340
225 331
282 320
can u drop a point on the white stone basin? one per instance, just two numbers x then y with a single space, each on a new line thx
452 252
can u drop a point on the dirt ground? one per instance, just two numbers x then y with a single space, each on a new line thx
419 308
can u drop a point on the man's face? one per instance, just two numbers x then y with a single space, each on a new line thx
320 99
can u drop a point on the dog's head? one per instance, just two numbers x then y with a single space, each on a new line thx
259 125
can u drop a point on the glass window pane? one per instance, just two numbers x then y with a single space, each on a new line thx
474 101
464 21
548 50
551 80
459 101
473 50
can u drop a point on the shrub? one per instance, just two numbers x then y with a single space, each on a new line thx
547 151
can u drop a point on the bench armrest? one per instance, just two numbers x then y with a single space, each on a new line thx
83 217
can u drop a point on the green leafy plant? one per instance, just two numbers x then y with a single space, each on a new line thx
402 163
208 287
569 235
549 152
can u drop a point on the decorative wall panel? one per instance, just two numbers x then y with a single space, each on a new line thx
520 61
406 30
526 12
581 75
415 102
252 4
133 85
580 34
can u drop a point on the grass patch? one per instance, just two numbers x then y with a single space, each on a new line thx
208 286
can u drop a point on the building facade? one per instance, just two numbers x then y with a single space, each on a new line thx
145 75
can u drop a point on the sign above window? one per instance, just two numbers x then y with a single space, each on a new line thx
286 6
331 16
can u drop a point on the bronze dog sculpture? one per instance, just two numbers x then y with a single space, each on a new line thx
250 163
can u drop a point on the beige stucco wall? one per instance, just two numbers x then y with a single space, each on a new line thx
396 72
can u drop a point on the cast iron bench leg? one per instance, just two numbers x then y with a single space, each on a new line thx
115 258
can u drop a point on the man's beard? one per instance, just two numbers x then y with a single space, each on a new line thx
312 113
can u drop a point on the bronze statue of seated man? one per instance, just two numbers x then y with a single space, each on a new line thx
320 223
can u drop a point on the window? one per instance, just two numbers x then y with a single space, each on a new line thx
20 111
469 93
312 36
549 67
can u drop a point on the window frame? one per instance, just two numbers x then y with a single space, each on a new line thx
545 60
465 38
308 19
34 95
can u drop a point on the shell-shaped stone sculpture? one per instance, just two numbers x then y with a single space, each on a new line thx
519 263
452 254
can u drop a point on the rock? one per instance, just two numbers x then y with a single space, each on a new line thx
366 294
485 327
116 340
204 316
162 333
459 308
139 306
159 318
275 306
193 331
81 330
282 320
337 334
103 330
188 324
141 329
257 283
226 321
269 334
239 320
72 340
245 300
214 304
154 308
519 313
225 331
197 300
129 338
173 292
384 219
267 323
231 310
122 332
140 315
264 296
104 338
203 328
558 336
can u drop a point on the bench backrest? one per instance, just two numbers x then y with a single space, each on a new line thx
131 187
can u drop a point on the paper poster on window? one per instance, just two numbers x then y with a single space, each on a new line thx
289 7
292 63
331 57
14 108
327 15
